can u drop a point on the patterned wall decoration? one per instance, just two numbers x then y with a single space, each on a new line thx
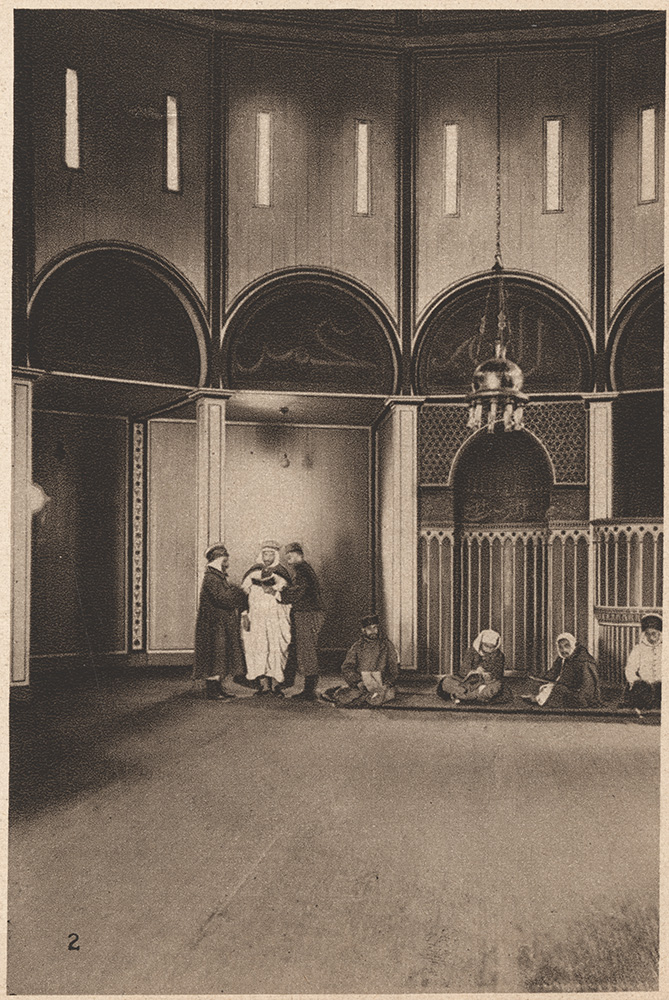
560 426
138 471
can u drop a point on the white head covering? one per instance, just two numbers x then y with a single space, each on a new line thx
489 637
570 639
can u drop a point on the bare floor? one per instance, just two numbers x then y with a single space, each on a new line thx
263 847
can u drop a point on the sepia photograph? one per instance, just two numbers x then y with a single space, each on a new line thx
337 537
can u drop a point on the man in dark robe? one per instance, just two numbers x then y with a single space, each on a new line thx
574 677
218 648
304 593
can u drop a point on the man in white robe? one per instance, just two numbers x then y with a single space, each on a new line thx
266 624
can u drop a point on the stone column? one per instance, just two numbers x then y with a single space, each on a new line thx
210 418
397 525
600 422
21 529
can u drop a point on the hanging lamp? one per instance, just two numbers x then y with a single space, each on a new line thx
497 397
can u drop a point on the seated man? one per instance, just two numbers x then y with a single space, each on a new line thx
572 681
370 668
643 671
482 673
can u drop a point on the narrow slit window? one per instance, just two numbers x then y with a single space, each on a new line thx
72 158
362 169
552 165
451 170
172 160
263 160
647 155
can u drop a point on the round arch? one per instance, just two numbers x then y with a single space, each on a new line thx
635 344
502 478
307 329
118 311
550 338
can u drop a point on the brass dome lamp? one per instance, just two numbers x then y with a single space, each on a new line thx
497 383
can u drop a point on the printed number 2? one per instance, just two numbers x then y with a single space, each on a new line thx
73 946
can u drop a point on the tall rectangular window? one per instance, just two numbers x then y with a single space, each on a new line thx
362 169
647 155
552 164
263 160
72 158
451 170
172 159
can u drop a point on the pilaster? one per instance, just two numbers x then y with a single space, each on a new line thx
601 458
397 472
210 422
21 529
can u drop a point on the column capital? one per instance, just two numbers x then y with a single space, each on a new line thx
391 401
26 374
212 394
599 397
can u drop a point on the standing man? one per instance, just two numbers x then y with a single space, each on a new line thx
218 648
266 624
304 593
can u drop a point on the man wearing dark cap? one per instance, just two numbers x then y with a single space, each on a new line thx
304 593
218 648
370 666
643 672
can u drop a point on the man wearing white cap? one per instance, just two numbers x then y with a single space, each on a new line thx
266 624
218 649
482 675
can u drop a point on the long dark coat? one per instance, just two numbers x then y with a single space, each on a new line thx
576 681
218 647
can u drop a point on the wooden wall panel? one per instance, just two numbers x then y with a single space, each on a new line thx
462 89
552 245
315 100
637 244
321 499
455 89
125 72
172 532
79 552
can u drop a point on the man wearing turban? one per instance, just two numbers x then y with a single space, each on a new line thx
482 674
266 624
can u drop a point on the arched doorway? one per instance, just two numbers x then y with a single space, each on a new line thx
502 492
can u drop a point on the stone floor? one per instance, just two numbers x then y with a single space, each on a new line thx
256 846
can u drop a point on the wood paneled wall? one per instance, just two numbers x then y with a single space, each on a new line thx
455 89
314 99
171 571
125 72
637 81
462 89
79 552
